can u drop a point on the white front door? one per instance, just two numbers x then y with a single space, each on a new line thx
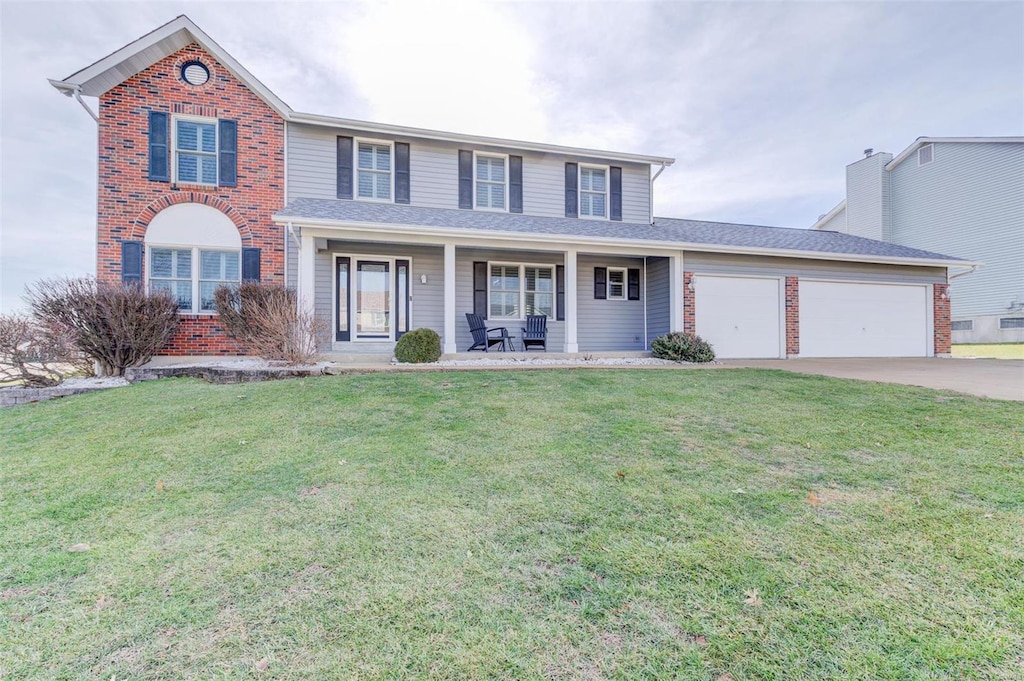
739 316
839 319
372 298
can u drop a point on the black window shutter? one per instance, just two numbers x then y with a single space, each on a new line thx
515 184
250 264
633 284
401 172
227 156
560 292
480 288
159 160
465 179
601 283
344 163
616 194
131 262
572 207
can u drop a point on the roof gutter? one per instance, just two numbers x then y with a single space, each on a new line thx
561 239
71 90
970 269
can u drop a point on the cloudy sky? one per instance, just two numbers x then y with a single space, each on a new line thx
761 103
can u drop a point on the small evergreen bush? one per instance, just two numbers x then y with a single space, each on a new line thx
418 347
683 347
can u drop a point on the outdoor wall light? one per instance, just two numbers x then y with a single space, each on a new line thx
423 279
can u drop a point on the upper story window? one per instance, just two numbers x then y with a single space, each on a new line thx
195 151
593 191
925 154
374 170
490 178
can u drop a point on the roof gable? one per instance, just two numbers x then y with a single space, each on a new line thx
137 56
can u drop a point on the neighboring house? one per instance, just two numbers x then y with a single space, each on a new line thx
208 178
962 195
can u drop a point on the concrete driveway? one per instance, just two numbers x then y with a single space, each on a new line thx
1002 379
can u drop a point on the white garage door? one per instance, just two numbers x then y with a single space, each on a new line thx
863 320
739 316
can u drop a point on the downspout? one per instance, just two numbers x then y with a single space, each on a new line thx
972 268
75 91
647 338
650 196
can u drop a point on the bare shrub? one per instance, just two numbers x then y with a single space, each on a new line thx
267 319
116 325
34 355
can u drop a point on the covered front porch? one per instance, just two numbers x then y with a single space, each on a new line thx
368 289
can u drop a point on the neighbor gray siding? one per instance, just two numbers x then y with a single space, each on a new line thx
659 314
867 197
968 203
724 263
836 223
608 324
433 171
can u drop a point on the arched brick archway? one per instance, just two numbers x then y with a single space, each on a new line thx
141 222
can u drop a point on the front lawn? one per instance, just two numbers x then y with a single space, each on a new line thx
702 524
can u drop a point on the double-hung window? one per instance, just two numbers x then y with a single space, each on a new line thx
593 191
374 171
515 291
173 269
490 177
195 151
616 283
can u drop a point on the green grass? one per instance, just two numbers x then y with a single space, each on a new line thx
996 350
695 524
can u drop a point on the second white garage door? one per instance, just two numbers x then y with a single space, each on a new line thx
863 320
739 316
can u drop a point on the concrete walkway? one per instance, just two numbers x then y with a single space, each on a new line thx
1002 379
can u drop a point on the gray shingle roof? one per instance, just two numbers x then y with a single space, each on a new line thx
665 230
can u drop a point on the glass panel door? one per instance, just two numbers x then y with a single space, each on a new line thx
373 299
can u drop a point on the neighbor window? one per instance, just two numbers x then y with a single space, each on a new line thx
1011 323
373 166
515 291
195 151
593 192
490 182
962 325
616 283
924 154
173 270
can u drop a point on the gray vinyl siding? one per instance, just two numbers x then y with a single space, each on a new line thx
725 263
608 324
968 202
427 299
464 259
291 263
659 314
434 180
867 197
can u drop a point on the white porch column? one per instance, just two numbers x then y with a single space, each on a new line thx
307 271
675 291
449 299
571 343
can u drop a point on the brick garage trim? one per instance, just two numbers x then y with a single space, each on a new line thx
689 304
792 316
943 344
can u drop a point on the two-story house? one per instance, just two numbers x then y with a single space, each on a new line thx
207 178
962 195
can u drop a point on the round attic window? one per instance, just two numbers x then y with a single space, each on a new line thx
195 73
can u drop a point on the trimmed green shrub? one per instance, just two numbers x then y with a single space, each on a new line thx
418 347
683 347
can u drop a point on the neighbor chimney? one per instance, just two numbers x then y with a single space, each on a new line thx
868 152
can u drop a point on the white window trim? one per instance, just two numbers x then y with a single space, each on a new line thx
522 288
608 283
174 148
504 157
931 147
196 265
607 191
355 168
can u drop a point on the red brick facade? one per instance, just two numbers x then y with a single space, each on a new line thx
129 200
941 319
689 304
792 316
